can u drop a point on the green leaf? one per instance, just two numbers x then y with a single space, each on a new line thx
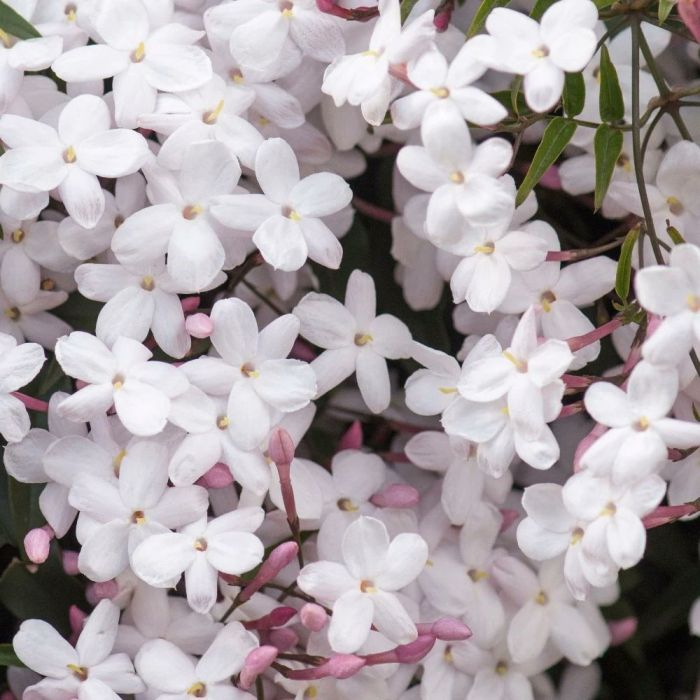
481 14
46 592
624 264
406 7
557 134
14 24
540 7
8 656
607 145
574 95
665 7
24 508
612 107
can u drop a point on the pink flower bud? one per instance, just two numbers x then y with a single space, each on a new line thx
199 325
190 304
276 618
279 557
218 477
95 592
551 179
586 442
414 651
69 559
352 437
450 630
76 618
663 515
343 665
7 695
396 496
509 517
257 662
281 448
284 638
37 543
313 617
689 10
622 630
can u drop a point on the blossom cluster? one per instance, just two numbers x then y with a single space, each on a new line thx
185 165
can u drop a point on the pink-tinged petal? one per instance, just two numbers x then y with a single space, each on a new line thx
325 321
234 552
201 584
320 194
281 242
350 622
82 196
626 538
391 618
325 580
608 404
113 153
165 666
405 560
99 634
161 559
277 170
528 632
373 380
142 409
365 547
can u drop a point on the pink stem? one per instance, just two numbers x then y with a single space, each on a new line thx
664 515
31 403
571 409
356 14
576 382
373 211
581 341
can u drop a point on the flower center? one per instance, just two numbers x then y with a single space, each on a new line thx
236 75
200 544
447 389
447 655
17 235
248 370
70 11
441 92
367 586
541 598
576 535
675 206
477 575
223 422
642 424
197 690
138 517
291 213
624 162
286 8
13 313
118 220
693 302
546 301
192 211
80 672
501 668
147 283
609 510
457 177
347 505
138 54
69 155
311 692
212 116
540 52
118 382
485 249
48 285
362 339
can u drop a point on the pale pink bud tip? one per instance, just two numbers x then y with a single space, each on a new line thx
622 630
257 662
450 630
37 543
218 477
551 178
276 618
313 617
416 650
284 638
69 560
279 557
7 695
509 516
690 14
199 326
396 496
281 448
76 618
352 437
95 592
190 304
301 351
343 665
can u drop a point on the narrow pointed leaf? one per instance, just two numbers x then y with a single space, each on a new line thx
8 656
14 24
554 140
607 145
540 7
574 95
665 7
624 264
612 107
481 14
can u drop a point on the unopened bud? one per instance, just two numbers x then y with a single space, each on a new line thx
450 630
396 496
414 651
37 543
95 592
352 437
509 516
284 638
190 304
281 447
622 630
199 325
257 662
313 617
279 557
343 665
218 477
69 559
275 618
76 619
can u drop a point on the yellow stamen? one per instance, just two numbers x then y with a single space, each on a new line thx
693 302
70 12
6 39
211 117
249 371
477 575
541 52
501 668
117 461
80 672
147 283
447 389
347 505
441 92
138 517
118 382
609 510
447 655
69 155
138 53
542 598
17 235
373 54
13 313
236 75
362 339
192 211
642 424
197 690
486 249
200 544
311 692
367 586
675 205
223 422
546 301
576 536
457 177
519 364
